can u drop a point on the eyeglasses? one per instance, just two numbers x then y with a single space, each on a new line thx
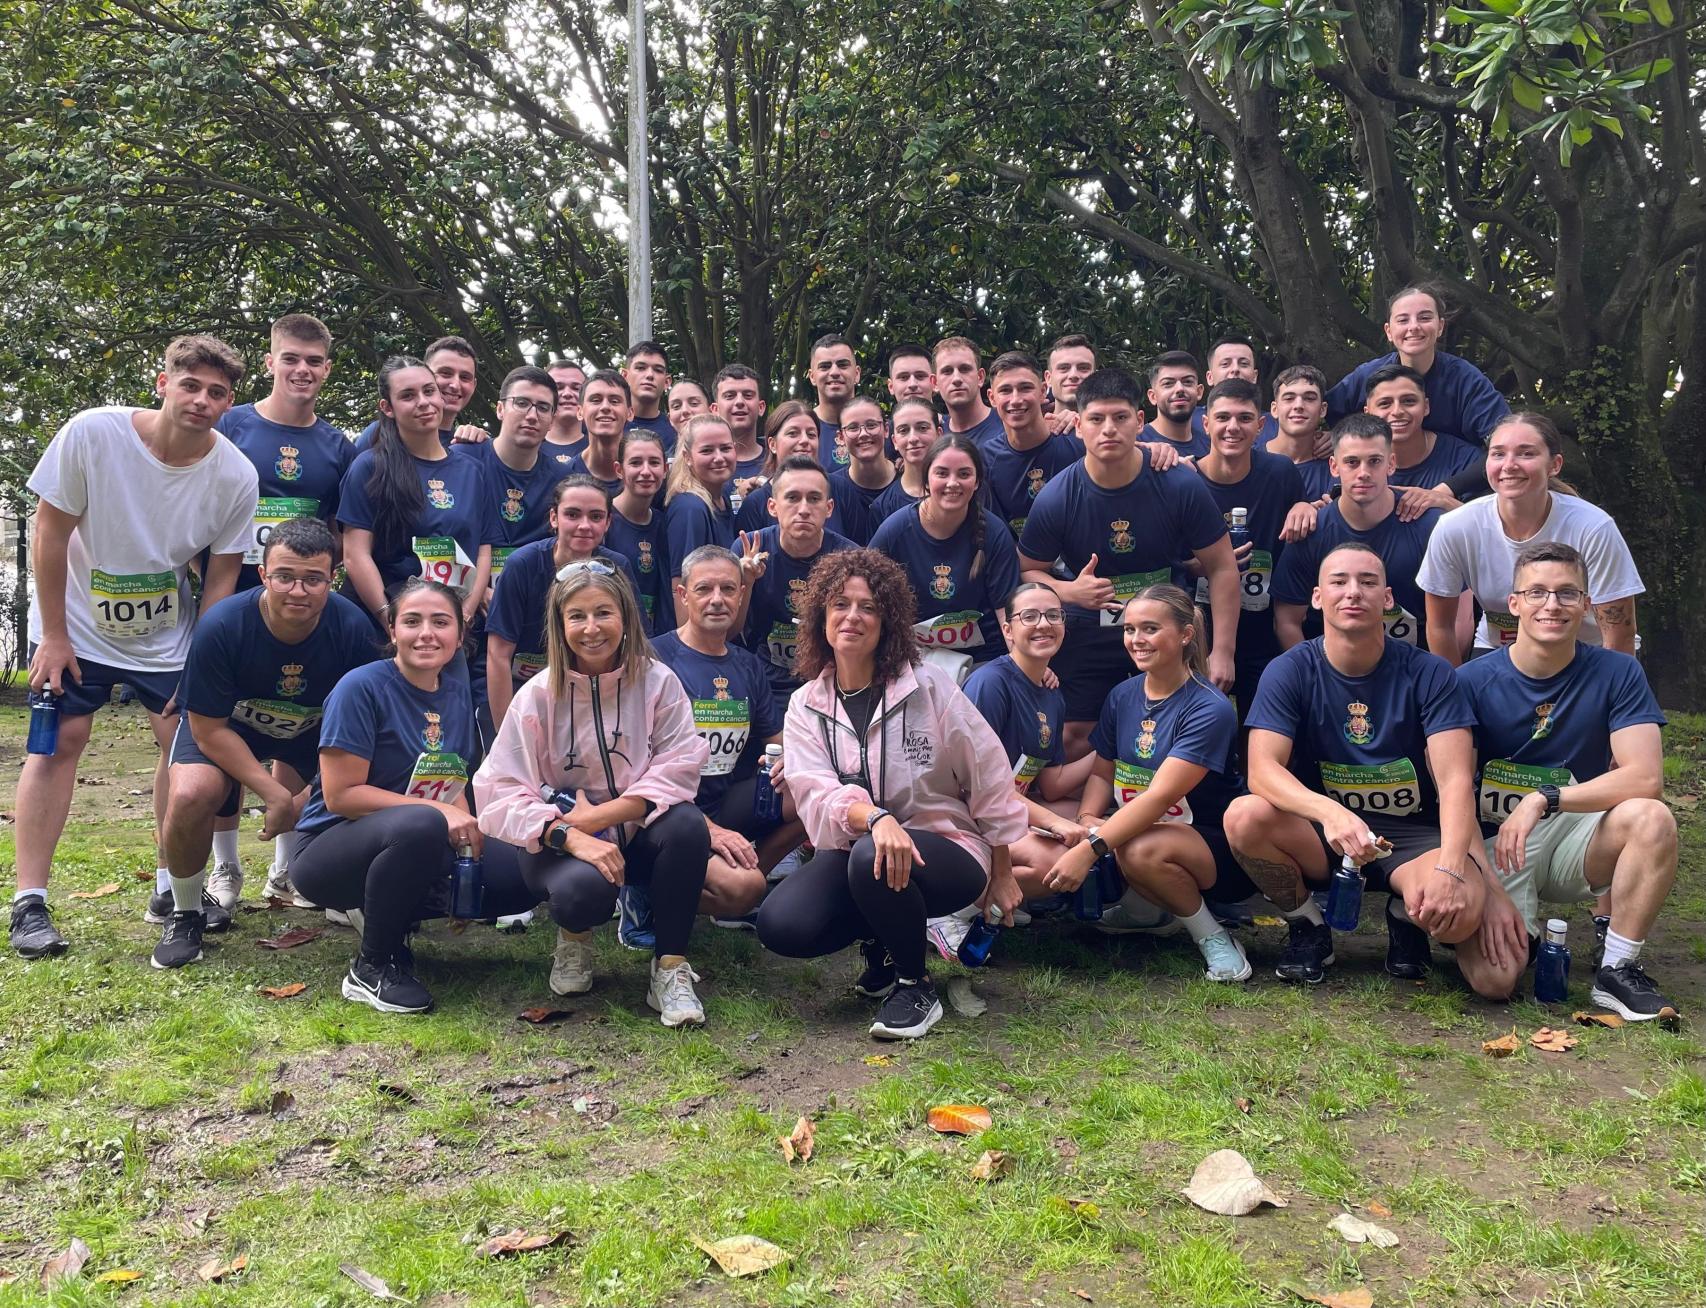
1039 617
863 428
526 405
312 583
1567 596
585 565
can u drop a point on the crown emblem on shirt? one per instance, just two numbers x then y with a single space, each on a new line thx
645 560
1146 738
942 586
512 506
437 496
1358 729
1044 733
796 593
721 686
1543 720
1120 537
1034 482
289 466
432 736
839 453
291 682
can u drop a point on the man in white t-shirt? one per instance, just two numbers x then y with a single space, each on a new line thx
129 498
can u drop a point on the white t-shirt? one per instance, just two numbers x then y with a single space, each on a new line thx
1470 551
127 596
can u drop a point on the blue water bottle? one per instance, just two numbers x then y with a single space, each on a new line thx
467 887
1239 532
766 799
44 722
564 799
980 939
1087 902
1552 964
1344 899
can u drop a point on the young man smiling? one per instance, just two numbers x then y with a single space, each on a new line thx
833 373
646 373
1175 386
1020 459
1233 358
605 405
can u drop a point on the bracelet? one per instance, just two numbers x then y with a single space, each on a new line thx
1438 867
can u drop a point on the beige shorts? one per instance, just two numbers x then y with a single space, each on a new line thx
1555 867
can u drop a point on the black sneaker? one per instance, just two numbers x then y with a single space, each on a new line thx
1600 926
180 942
909 1011
33 935
160 910
877 980
1626 989
1309 952
390 989
1409 953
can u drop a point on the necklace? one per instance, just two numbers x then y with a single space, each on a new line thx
850 694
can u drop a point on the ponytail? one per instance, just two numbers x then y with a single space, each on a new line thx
394 486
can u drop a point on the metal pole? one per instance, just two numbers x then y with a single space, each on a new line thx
639 182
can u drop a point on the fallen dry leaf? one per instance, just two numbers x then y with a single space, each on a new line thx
99 892
1358 1231
993 1165
119 1276
1598 1019
1553 1041
369 1282
1358 1296
401 1093
1082 1294
1225 1183
964 1000
276 905
66 1265
742 1255
1241 1104
282 1102
1379 1209
214 1270
959 1119
292 938
1266 921
1503 1047
879 1060
287 991
519 1241
799 1144
542 1016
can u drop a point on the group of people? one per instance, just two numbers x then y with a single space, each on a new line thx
859 673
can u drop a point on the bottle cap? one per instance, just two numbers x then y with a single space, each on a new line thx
467 851
1557 926
1240 516
772 751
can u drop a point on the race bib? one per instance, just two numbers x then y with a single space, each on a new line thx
1504 785
783 640
268 514
1501 627
1028 768
1130 781
1401 624
726 725
128 606
442 560
278 718
1389 789
1128 584
438 776
950 631
1252 584
500 556
524 666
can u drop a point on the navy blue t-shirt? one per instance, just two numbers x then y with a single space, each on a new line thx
560 456
831 449
1194 448
270 691
662 426
772 627
755 515
1363 740
957 612
1532 731
1462 402
1401 547
364 442
753 467
1265 433
855 505
299 469
1318 478
521 501
1268 491
1027 717
577 467
1013 477
416 742
458 507
894 498
517 610
987 429
1136 532
1448 457
647 550
691 523
733 710
1195 723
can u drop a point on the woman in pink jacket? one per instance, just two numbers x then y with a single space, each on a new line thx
611 728
904 790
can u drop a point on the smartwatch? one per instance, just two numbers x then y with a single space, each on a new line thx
1550 794
1098 846
557 836
875 816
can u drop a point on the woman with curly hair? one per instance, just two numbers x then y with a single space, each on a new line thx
903 788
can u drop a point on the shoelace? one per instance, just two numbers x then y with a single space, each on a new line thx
1637 978
678 983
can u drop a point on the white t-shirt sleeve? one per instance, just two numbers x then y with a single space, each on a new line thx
1444 569
232 534
59 476
1612 574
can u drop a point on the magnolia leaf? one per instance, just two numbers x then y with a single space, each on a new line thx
1225 1183
292 938
287 991
119 1276
1503 1047
1597 1019
993 1165
1379 1209
742 1255
519 1241
67 1265
99 892
1552 1041
214 1270
1357 1231
1358 1296
542 1016
799 1144
959 1119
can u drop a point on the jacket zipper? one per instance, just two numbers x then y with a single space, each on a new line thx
604 755
864 755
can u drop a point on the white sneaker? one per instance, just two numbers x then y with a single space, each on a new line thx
514 922
278 886
1134 914
1225 957
354 919
571 965
225 884
671 994
946 933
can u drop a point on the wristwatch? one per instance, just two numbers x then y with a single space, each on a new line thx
1098 846
875 816
1550 794
557 836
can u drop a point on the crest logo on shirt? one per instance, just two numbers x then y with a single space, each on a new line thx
1543 720
942 587
1146 738
1044 734
512 507
291 682
721 686
1120 538
1033 482
1358 729
839 453
796 593
645 559
289 466
438 497
432 735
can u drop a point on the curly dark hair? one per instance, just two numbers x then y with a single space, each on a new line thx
897 649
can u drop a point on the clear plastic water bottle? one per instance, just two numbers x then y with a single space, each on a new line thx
766 799
1239 532
1552 964
44 722
1344 898
467 887
980 939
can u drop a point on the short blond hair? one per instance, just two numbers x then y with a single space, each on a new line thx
956 343
302 327
186 352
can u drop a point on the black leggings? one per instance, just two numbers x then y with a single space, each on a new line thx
834 899
668 857
393 864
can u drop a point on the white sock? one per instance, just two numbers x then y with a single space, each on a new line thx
225 846
186 893
283 850
1201 924
1308 910
162 881
19 896
1620 949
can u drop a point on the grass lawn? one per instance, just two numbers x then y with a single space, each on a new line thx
172 1120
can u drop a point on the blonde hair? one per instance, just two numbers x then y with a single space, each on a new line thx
1184 612
682 479
634 654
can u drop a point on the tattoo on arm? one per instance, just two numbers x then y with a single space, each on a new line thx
1615 614
1280 882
